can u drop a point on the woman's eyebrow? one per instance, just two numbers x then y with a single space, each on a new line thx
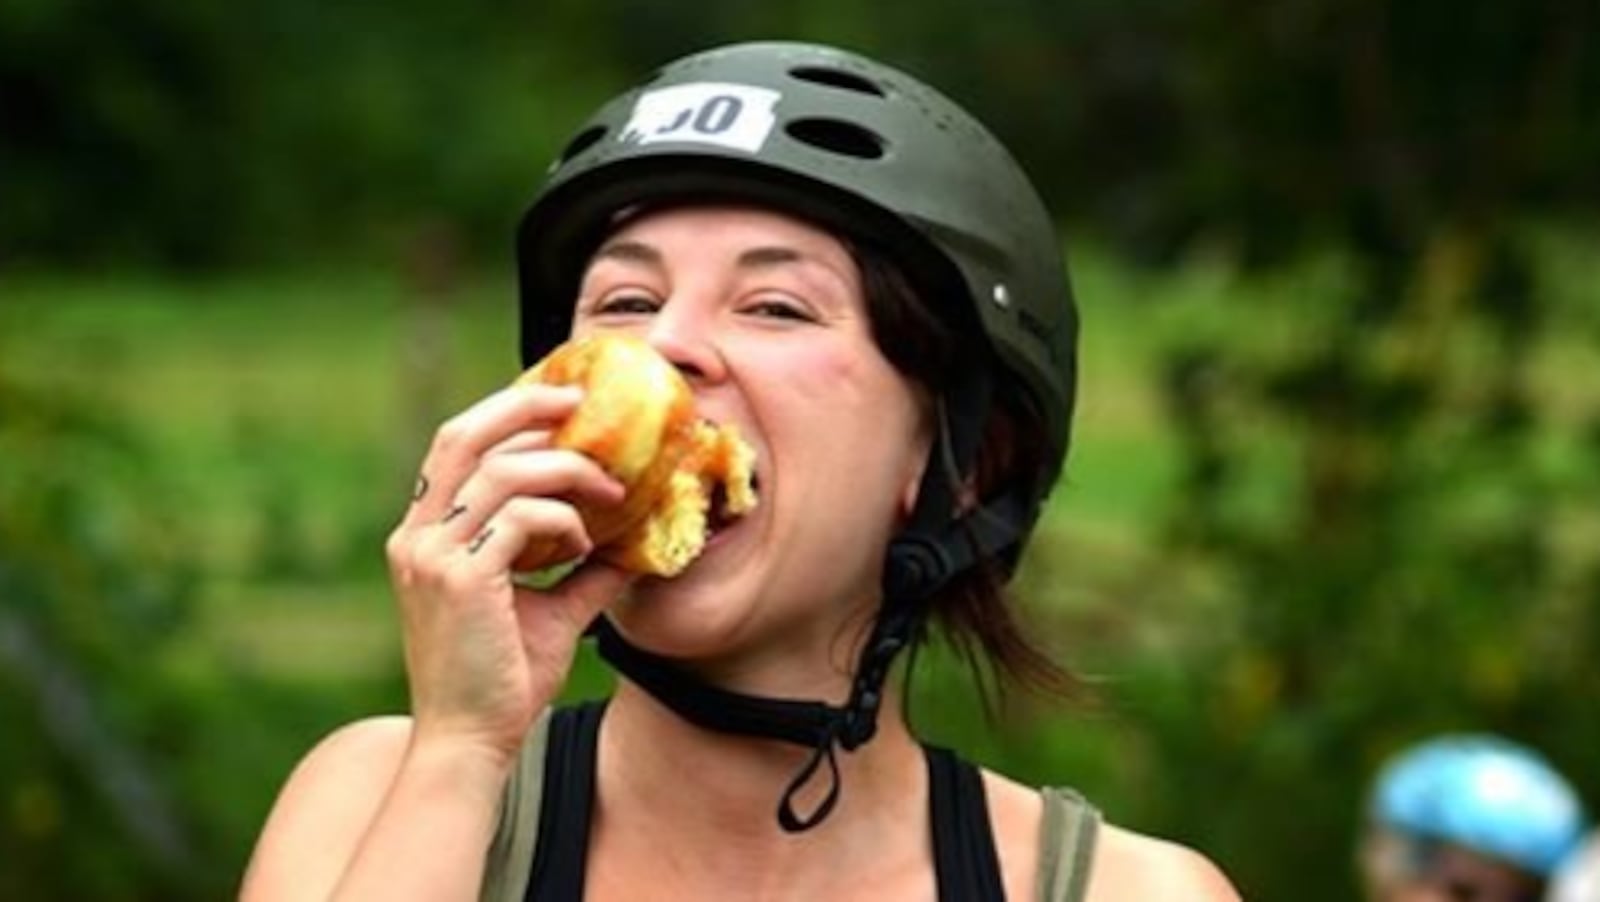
777 255
759 257
629 252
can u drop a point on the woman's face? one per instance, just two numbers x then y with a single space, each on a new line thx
765 317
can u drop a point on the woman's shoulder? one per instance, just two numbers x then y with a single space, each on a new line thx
1126 864
1130 865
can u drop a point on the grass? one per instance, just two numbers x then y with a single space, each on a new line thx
288 411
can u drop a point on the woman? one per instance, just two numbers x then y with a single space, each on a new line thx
848 268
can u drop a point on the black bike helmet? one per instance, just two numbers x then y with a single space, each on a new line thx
837 138
875 155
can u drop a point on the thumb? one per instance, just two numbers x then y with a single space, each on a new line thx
587 591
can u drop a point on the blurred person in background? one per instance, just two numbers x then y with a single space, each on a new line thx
852 270
1578 878
1467 817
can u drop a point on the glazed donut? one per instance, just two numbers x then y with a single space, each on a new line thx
683 474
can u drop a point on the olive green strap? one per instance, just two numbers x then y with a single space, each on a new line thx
505 872
1067 834
1066 851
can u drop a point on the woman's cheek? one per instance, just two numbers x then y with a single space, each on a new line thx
844 380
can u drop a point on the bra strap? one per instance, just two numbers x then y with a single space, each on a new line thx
964 858
561 857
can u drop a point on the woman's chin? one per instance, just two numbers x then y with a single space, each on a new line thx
660 617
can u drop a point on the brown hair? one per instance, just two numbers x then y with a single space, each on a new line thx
975 612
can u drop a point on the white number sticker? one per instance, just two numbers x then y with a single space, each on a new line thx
728 115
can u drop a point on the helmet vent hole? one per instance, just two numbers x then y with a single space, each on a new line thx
835 78
838 137
581 142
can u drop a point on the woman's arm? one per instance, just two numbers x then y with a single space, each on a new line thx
404 808
366 813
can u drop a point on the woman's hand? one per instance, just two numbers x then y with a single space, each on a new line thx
398 808
483 654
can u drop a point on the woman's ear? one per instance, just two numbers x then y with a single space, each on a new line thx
918 464
909 493
966 496
920 455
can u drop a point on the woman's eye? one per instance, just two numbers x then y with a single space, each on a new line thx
627 303
780 309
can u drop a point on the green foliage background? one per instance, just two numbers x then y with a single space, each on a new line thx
1339 439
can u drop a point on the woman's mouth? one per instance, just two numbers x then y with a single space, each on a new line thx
725 511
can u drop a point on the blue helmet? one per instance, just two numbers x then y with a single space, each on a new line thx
1483 793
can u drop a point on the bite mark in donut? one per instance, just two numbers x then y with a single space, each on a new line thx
684 476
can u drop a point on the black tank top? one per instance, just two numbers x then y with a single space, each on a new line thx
966 865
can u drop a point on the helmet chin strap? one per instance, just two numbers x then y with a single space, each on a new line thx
934 547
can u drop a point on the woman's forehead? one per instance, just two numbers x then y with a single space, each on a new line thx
733 224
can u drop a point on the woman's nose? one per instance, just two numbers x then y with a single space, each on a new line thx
684 336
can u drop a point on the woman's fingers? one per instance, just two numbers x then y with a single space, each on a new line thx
504 477
530 440
463 441
488 552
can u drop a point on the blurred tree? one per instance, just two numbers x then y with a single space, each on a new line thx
85 598
1390 485
155 129
167 132
111 723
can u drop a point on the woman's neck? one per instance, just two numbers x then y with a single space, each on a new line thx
704 804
